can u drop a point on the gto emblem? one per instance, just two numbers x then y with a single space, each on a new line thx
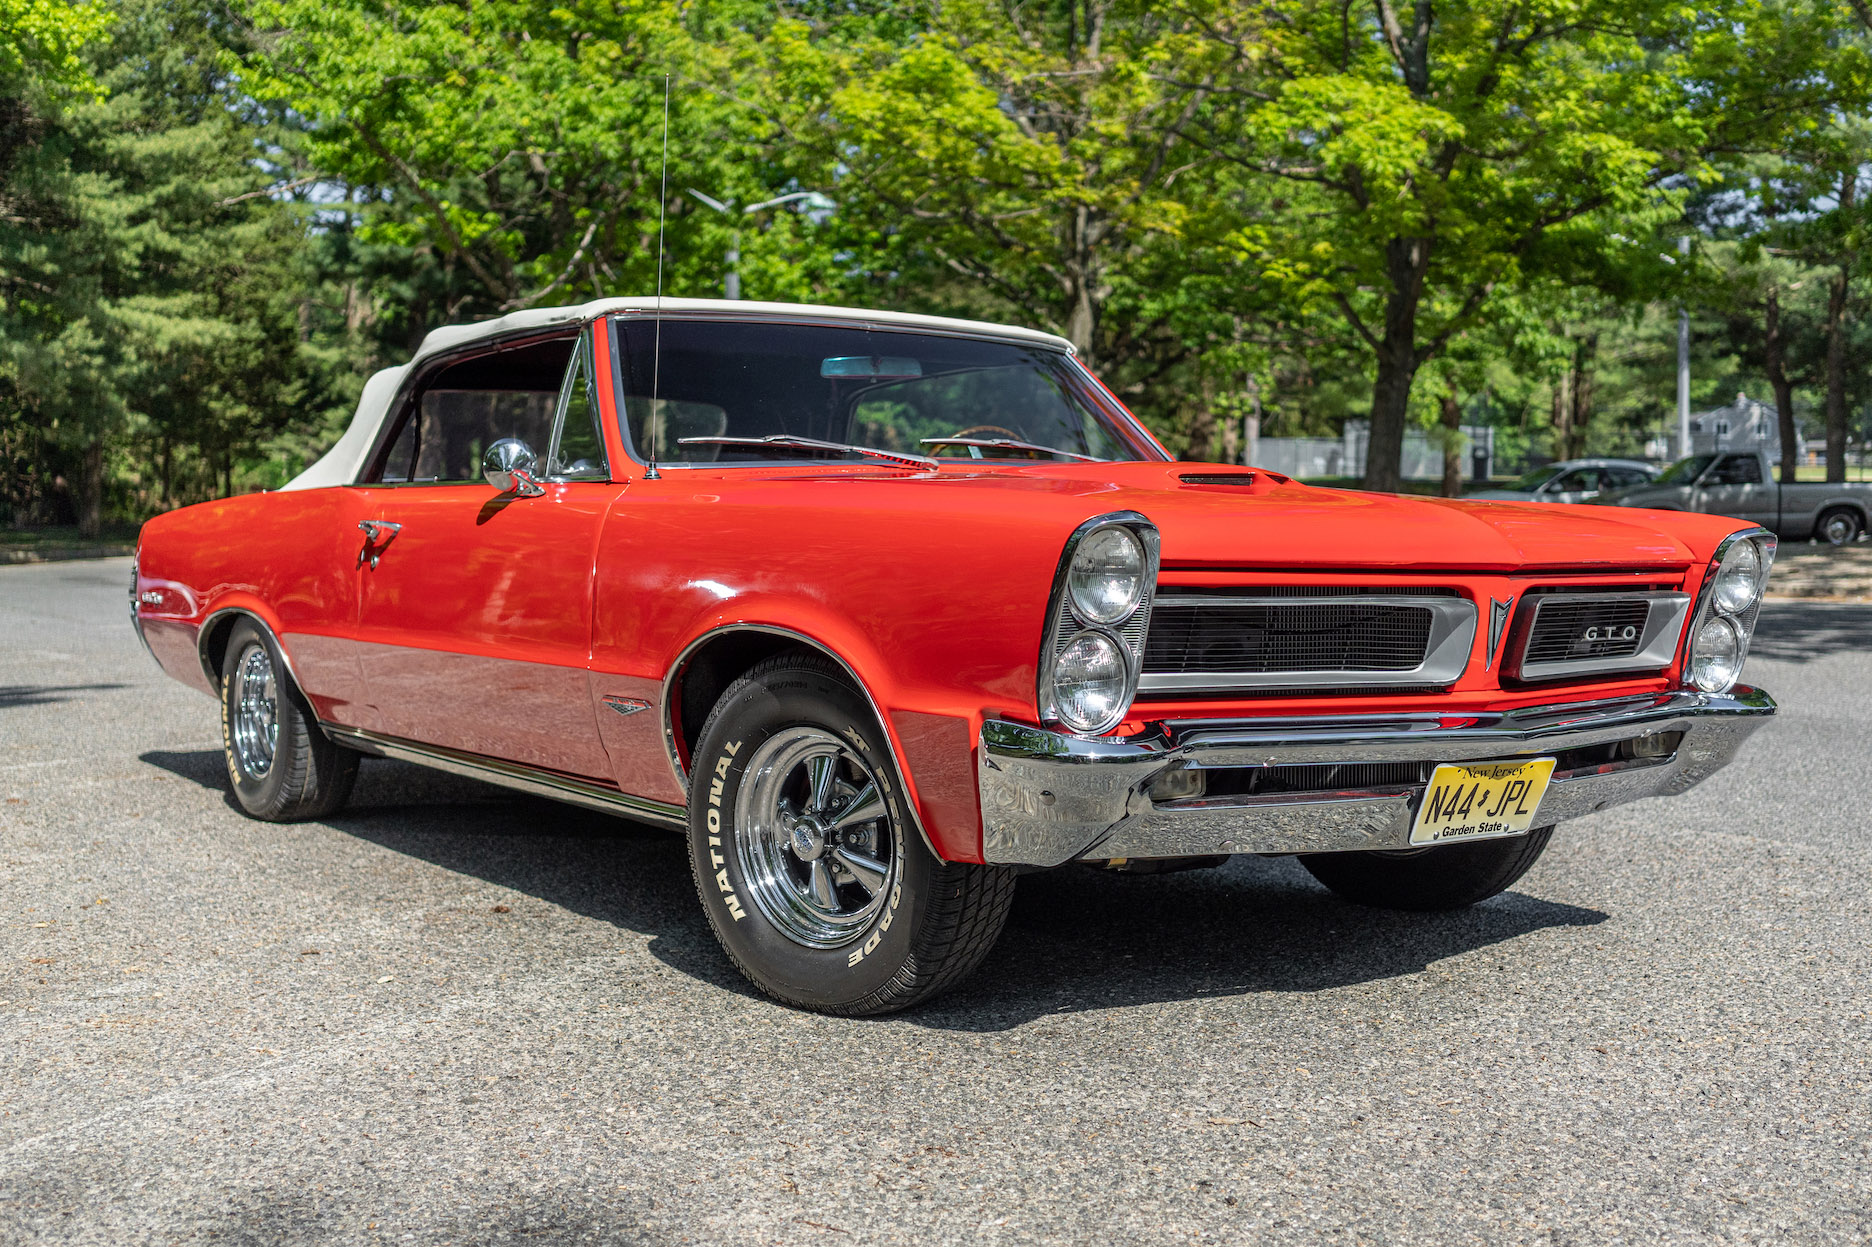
1628 633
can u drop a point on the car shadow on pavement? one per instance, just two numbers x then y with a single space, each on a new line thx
1804 631
1081 939
1077 938
15 695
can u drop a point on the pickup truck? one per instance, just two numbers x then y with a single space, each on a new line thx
1742 484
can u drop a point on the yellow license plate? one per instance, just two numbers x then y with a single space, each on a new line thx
1481 800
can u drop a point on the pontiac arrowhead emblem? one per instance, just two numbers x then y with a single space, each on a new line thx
1497 624
626 705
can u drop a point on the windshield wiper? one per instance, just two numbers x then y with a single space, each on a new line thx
813 443
1008 443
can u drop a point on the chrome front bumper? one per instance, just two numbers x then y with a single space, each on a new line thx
1048 798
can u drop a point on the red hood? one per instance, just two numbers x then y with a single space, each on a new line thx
1278 523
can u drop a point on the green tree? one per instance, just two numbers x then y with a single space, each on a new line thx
519 142
42 44
154 318
1440 156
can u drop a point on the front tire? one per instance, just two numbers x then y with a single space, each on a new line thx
283 766
813 876
1449 876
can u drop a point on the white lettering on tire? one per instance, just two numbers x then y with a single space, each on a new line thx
713 820
890 913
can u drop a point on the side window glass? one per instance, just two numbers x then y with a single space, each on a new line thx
455 427
578 448
1565 483
400 462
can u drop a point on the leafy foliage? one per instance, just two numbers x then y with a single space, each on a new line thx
1272 214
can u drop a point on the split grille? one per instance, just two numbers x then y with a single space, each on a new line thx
1266 637
1562 635
1587 630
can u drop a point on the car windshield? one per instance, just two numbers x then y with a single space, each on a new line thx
1685 471
879 389
1533 480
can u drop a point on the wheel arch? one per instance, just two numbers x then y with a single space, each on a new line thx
1857 506
212 640
723 654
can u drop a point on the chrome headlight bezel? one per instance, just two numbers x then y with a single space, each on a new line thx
1067 620
1716 602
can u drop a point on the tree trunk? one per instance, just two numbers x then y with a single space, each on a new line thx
1406 261
1202 426
1774 359
91 491
1585 352
1562 407
1251 424
1836 376
1452 445
1837 290
1081 294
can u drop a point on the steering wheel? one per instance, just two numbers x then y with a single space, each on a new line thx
980 429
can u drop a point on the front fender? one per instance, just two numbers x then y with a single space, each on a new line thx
931 739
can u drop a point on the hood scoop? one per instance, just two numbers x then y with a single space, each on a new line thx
1240 480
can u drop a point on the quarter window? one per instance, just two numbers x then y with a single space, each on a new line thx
469 405
578 452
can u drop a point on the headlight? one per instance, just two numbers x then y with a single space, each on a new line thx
1719 646
1090 683
1106 578
1716 655
1739 579
1098 615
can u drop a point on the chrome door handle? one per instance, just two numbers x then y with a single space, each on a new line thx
377 535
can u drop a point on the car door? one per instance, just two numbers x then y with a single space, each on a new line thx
475 614
1733 486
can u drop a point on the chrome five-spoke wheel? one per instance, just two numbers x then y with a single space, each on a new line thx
813 837
256 711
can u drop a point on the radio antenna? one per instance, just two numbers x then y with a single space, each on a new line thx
652 425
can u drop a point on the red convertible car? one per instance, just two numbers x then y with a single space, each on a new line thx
883 610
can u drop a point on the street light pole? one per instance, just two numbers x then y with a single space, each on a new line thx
1683 367
731 280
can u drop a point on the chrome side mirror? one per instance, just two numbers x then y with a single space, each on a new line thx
508 466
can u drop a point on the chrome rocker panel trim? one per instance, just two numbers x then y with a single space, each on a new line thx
511 775
1048 798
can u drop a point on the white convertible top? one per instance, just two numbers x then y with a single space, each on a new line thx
344 461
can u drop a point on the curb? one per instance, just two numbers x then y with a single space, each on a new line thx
64 554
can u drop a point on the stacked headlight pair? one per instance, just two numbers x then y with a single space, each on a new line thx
1738 578
1099 613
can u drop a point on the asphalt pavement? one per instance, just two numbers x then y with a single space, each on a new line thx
451 1015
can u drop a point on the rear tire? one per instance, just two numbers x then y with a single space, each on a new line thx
283 766
1449 876
1838 527
813 876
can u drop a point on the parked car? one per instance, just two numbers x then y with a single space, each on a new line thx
1742 484
1571 480
882 610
